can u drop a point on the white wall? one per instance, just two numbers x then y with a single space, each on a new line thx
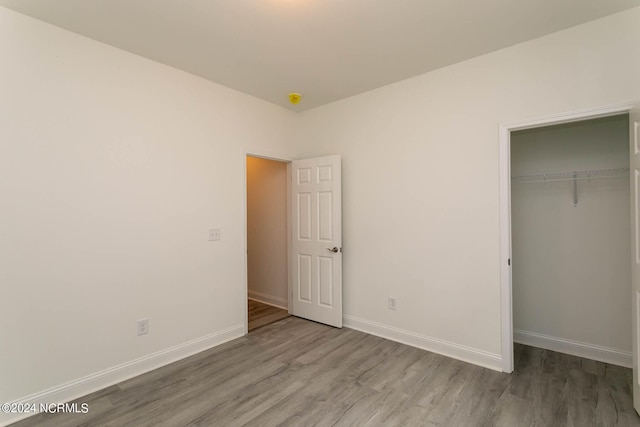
267 231
112 170
113 167
421 178
571 275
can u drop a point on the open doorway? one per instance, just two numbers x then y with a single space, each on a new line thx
267 237
506 133
303 253
570 228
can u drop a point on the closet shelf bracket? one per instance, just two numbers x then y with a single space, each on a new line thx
575 189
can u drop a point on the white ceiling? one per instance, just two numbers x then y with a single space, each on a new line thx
325 49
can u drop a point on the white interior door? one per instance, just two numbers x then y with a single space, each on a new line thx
634 136
316 234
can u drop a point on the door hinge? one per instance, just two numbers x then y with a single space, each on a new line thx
509 261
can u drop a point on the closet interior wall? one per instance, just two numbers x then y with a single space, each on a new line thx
571 264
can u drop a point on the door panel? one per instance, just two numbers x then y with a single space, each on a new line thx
634 148
317 229
304 216
325 281
304 277
325 221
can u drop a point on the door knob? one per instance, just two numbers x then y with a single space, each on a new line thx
334 249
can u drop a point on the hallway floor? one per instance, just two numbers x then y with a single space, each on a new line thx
261 314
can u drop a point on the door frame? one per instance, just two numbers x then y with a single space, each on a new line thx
245 269
505 129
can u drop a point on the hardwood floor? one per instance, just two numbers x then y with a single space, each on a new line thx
300 373
263 314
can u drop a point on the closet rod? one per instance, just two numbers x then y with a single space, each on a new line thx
572 176
571 179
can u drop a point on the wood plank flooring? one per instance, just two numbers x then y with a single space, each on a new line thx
300 373
261 314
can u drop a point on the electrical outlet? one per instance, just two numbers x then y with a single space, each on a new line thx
143 326
214 234
392 303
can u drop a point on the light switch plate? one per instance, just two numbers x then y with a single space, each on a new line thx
214 234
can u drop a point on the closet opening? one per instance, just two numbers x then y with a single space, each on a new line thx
570 244
267 241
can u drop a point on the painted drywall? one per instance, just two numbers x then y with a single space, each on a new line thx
112 170
267 269
571 273
421 177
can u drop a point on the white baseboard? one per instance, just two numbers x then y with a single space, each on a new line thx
269 300
466 354
575 348
108 377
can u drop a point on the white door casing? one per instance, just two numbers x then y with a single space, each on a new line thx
634 155
316 239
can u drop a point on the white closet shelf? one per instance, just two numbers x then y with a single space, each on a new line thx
571 176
